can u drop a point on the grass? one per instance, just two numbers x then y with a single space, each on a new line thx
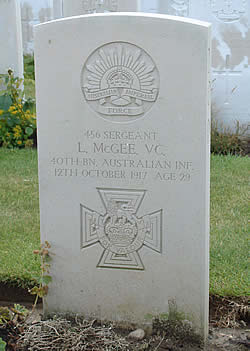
29 89
19 216
229 226
19 221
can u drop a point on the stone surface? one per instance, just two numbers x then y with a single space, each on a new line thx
10 38
230 44
123 133
81 7
57 9
230 51
34 12
138 334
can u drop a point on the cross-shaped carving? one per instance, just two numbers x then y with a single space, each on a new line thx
119 231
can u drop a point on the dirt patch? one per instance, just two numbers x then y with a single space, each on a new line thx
229 312
14 294
223 311
75 335
229 339
64 335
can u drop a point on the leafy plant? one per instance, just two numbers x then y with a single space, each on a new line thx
20 311
43 280
5 315
8 314
2 345
11 321
17 121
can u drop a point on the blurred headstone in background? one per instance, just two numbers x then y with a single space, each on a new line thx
11 53
230 51
230 33
81 7
34 12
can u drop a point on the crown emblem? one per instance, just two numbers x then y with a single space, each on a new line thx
228 11
120 78
121 233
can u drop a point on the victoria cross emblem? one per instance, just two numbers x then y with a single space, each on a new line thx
120 81
119 230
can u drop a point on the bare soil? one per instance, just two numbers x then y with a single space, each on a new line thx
60 335
229 331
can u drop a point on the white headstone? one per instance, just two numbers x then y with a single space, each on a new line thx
11 55
123 133
57 9
230 58
34 12
230 50
81 7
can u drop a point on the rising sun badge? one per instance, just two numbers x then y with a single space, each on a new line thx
120 81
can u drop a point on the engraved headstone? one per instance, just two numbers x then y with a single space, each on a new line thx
124 164
11 54
230 51
230 59
82 7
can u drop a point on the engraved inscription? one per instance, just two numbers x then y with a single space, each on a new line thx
179 7
122 155
119 231
120 82
228 10
96 6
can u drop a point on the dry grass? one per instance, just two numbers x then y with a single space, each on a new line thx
228 312
62 335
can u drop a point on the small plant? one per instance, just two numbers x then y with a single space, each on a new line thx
174 325
11 321
226 140
17 121
5 315
41 289
20 311
2 345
